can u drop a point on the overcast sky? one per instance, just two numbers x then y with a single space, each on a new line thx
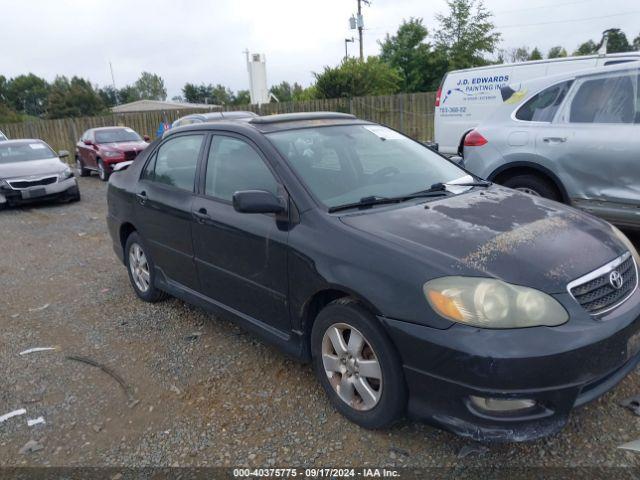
203 40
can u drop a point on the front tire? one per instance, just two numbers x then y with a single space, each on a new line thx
533 185
103 171
357 365
141 270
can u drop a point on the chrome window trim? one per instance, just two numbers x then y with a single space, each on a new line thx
602 271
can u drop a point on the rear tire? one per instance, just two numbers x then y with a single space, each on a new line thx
534 185
141 270
82 171
362 376
103 171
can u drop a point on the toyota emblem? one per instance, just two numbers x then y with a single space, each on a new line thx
616 280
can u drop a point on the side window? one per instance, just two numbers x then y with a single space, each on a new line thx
608 99
175 162
235 165
543 106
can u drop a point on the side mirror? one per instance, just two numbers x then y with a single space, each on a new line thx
146 138
87 142
63 153
256 201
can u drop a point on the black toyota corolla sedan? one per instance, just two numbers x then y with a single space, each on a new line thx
413 286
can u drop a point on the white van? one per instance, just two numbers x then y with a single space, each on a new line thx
466 97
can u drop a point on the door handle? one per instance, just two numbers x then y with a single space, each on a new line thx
142 197
554 139
201 215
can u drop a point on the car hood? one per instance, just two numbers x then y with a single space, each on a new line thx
124 147
500 233
32 167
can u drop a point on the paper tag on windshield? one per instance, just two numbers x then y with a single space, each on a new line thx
37 146
384 132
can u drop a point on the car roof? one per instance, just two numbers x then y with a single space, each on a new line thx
96 129
277 122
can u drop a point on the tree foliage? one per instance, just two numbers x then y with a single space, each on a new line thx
73 98
408 52
28 94
356 78
535 54
466 34
150 87
557 52
618 41
285 92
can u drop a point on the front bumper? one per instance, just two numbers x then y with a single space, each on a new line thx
558 367
65 189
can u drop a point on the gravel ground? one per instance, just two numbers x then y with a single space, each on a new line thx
206 393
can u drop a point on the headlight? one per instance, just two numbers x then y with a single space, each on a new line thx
490 303
66 173
627 243
3 183
112 154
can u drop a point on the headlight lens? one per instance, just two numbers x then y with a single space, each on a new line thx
491 303
112 154
66 173
627 243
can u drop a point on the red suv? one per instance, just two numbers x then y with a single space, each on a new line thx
100 148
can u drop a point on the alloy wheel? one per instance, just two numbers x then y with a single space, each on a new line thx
139 267
352 366
101 171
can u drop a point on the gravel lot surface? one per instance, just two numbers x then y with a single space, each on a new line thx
206 393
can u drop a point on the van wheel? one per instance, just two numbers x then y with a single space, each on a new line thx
357 365
533 185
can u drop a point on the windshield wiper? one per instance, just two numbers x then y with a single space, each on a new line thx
370 201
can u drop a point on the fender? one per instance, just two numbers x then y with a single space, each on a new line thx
537 167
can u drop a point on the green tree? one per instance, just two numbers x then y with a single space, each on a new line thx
557 52
242 97
109 96
636 43
305 94
587 48
466 34
220 95
535 54
7 115
150 87
284 91
28 94
355 78
73 98
408 52
618 41
128 93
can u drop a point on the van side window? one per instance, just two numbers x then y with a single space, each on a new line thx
543 106
609 99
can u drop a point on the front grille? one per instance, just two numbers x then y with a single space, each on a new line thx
130 155
596 293
22 184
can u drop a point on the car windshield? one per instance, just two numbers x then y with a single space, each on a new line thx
117 135
344 164
24 152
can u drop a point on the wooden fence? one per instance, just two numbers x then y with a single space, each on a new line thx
409 113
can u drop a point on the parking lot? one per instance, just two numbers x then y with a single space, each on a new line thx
201 391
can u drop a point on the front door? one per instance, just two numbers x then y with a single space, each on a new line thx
163 207
596 143
241 258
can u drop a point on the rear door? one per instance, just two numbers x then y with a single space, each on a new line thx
597 143
163 206
87 152
241 258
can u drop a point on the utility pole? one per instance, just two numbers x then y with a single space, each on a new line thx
113 82
360 27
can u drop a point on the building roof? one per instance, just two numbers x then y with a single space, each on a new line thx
158 105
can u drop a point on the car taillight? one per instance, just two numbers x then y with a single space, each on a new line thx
438 93
474 139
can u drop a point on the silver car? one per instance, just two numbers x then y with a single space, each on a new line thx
3 137
30 170
212 117
574 138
